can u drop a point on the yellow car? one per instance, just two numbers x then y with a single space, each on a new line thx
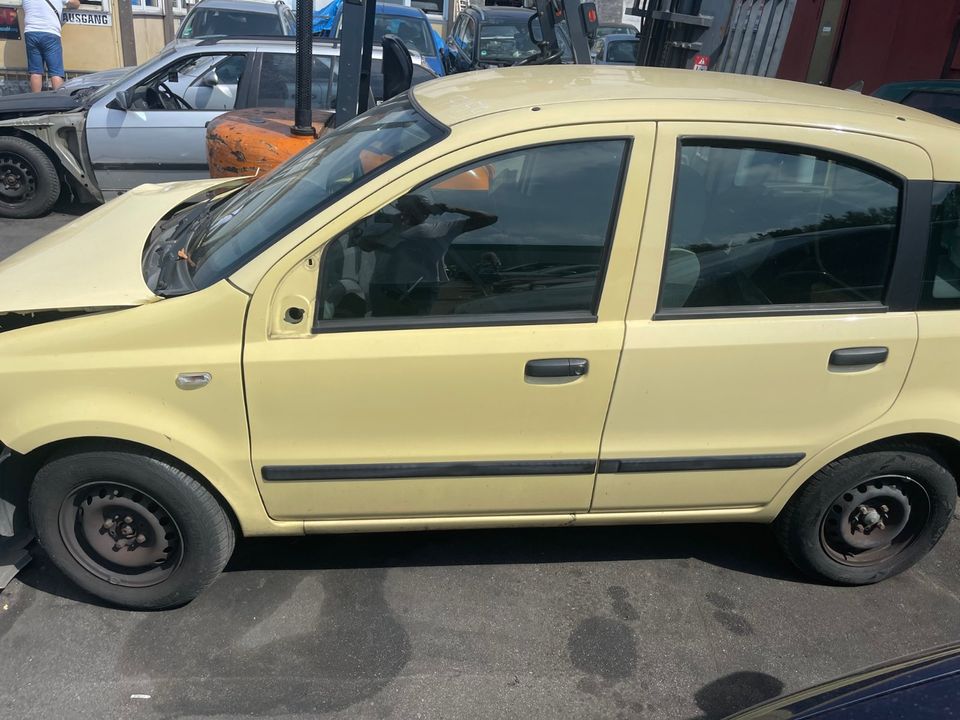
531 296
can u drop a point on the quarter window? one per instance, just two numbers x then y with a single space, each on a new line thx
770 225
941 283
524 232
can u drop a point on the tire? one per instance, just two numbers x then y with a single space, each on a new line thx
830 528
130 528
29 181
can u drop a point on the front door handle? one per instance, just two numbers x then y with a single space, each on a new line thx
859 356
557 367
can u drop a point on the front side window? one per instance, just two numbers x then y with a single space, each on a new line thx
941 282
771 225
196 82
467 39
523 232
251 219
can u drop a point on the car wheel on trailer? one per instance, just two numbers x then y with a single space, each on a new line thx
130 528
29 182
868 516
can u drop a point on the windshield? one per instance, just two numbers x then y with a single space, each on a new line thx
111 86
506 41
230 23
414 32
259 214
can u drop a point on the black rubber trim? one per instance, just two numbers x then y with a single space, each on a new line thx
454 321
912 240
383 471
704 462
733 311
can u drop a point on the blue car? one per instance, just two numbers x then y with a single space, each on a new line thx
408 23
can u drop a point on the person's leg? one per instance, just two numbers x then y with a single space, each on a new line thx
53 57
34 61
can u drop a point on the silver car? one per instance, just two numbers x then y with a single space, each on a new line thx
149 125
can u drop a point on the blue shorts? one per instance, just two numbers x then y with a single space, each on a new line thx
44 48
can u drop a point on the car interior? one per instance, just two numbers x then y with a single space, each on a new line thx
545 216
198 82
756 226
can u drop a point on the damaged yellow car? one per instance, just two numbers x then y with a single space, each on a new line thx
530 296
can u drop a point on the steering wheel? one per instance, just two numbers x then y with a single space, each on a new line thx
179 102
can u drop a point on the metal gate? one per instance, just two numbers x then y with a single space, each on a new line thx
755 36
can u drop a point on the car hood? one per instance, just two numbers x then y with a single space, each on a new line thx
43 103
95 261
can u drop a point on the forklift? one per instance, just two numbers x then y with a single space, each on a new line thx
256 140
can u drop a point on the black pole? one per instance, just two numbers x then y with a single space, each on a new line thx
356 50
303 112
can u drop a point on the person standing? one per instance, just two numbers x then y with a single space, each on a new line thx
42 21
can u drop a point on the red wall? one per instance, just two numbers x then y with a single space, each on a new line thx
880 41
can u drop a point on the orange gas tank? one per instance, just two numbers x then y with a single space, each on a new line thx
256 140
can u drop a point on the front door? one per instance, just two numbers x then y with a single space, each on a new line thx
464 338
161 135
779 325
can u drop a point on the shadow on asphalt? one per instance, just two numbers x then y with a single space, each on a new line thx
749 549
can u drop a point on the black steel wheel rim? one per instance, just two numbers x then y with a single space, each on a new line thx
875 520
120 534
18 179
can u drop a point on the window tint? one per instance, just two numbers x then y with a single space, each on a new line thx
429 6
506 42
522 232
941 283
623 51
415 32
943 104
278 81
230 23
777 226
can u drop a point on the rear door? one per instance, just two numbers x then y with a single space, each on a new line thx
160 138
779 325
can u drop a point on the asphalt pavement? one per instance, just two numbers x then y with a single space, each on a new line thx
658 622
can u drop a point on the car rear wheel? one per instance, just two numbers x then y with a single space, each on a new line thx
29 182
868 516
132 529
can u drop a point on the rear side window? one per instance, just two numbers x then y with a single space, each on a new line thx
941 282
770 225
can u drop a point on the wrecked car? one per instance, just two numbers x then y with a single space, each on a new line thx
149 124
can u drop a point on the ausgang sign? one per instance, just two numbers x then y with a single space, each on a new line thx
84 17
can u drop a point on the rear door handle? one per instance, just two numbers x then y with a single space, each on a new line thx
859 356
557 367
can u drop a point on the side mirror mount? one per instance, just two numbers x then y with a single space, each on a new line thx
123 100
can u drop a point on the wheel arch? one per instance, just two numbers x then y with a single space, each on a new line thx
74 174
943 442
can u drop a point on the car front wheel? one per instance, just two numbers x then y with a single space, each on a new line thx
868 516
29 182
130 528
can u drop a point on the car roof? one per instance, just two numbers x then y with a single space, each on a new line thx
599 93
400 11
496 12
278 43
620 36
267 7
